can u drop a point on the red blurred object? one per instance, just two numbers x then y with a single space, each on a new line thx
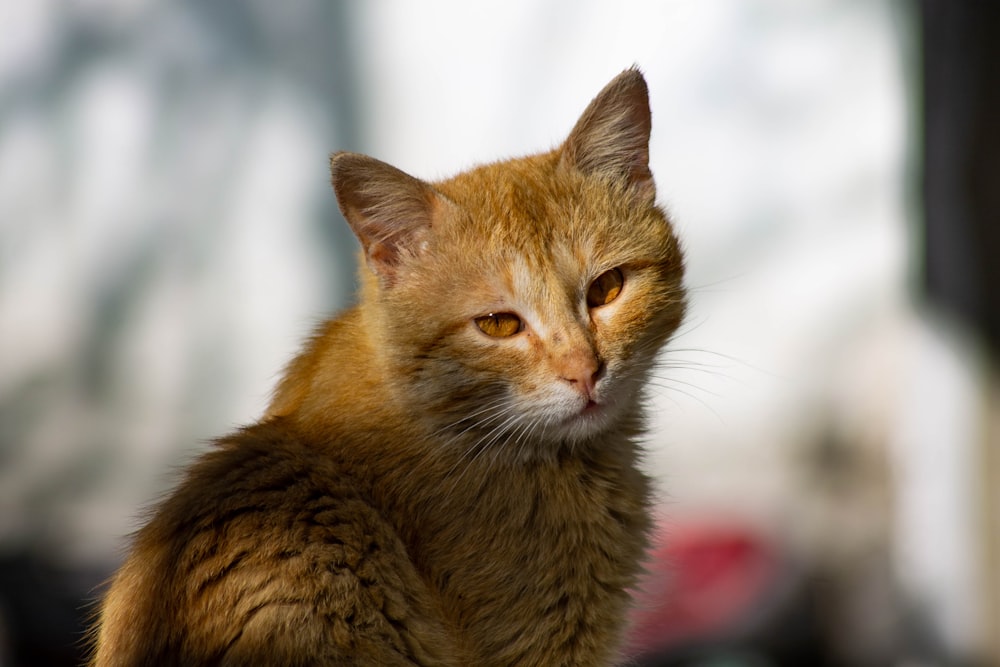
707 581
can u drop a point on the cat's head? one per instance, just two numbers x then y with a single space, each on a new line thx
521 304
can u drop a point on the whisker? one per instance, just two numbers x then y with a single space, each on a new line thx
665 390
497 433
668 382
508 415
482 409
703 369
526 435
710 287
689 326
736 361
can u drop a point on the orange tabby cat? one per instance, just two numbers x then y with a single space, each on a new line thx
447 473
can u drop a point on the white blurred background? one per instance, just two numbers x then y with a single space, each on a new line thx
168 237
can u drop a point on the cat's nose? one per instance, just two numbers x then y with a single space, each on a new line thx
582 369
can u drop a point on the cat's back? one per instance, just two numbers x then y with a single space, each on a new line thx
269 552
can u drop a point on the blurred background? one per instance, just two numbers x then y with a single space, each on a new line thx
824 428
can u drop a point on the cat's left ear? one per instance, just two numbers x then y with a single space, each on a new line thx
611 138
389 211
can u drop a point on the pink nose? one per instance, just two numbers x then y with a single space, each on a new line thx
582 369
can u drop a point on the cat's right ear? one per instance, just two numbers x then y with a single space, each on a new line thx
611 138
389 210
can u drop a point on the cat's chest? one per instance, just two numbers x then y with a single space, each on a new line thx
542 558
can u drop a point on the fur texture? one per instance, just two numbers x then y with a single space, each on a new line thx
421 492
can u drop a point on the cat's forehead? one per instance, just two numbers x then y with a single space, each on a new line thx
527 205
544 226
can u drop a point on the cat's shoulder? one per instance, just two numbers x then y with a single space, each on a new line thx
278 554
264 479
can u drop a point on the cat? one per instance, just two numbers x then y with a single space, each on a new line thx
448 473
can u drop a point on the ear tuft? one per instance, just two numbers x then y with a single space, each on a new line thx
389 211
611 138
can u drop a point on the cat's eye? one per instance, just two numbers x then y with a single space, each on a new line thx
499 325
605 288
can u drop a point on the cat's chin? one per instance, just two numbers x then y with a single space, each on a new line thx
589 421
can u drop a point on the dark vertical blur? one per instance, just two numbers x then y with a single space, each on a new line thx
961 194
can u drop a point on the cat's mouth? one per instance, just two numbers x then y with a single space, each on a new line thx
591 412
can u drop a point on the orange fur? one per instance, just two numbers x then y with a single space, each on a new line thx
419 492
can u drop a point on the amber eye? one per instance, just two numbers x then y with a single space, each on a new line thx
499 325
605 288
